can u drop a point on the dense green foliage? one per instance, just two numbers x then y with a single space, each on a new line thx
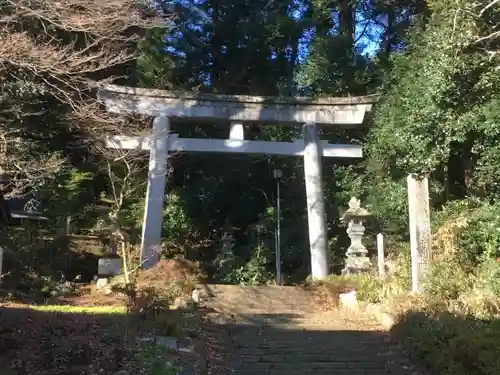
435 64
440 114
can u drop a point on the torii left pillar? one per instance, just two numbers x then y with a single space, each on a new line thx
318 243
155 196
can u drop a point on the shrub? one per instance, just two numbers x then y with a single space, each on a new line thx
254 271
446 281
398 279
481 238
448 344
367 288
468 231
455 328
166 286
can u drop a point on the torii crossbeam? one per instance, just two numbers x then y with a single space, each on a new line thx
236 110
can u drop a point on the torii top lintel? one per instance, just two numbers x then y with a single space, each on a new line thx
237 108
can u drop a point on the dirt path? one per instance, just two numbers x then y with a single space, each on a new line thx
275 330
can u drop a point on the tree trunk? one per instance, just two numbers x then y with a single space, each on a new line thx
387 36
347 30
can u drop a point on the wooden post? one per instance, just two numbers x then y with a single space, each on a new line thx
420 231
380 255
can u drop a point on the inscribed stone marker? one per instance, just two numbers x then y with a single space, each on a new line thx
380 255
420 231
109 266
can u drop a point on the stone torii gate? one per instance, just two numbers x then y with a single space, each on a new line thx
236 111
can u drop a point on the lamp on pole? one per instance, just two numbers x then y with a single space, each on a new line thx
278 174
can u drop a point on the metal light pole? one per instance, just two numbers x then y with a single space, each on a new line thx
278 174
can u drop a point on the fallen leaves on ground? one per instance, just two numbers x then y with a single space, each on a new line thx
62 342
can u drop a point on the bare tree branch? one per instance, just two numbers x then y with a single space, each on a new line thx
494 2
48 51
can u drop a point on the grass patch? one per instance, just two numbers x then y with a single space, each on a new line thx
155 361
87 310
453 328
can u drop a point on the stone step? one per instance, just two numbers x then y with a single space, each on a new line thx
305 366
302 344
275 331
316 345
309 357
293 329
315 372
373 358
260 350
354 352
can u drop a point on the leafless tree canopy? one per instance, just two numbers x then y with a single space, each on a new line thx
49 49
69 37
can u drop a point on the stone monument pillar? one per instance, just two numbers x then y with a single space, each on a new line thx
356 255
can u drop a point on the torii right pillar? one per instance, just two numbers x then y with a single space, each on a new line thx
316 217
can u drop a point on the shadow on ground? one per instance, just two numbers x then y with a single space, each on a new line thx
59 340
281 344
448 344
88 342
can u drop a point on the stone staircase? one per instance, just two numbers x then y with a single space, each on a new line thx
275 330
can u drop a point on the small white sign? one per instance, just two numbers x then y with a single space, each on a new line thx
109 266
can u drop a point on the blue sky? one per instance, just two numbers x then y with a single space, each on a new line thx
364 27
367 34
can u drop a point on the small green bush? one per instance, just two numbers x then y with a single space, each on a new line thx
446 282
398 281
479 237
455 326
367 287
152 358
253 271
448 344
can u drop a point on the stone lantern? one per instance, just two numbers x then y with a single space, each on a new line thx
356 255
226 255
227 242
